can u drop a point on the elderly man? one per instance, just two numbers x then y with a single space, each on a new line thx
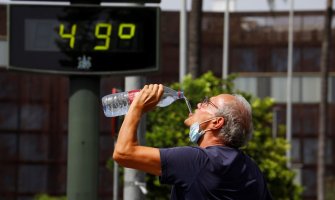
216 168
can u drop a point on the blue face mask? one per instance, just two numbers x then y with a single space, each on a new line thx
195 132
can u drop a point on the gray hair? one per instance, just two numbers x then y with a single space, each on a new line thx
237 128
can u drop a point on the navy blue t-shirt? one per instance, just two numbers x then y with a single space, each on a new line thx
214 172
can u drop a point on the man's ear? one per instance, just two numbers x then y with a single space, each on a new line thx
218 123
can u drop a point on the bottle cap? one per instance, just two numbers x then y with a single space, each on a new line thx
180 94
131 95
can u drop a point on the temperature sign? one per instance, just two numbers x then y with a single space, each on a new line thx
84 40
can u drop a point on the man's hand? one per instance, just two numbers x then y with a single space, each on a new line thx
147 98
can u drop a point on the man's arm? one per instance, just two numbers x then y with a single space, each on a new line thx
128 152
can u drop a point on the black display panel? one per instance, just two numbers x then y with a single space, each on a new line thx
84 39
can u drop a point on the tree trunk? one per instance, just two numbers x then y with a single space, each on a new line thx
194 55
324 63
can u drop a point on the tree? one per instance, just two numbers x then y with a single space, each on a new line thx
194 54
166 129
323 119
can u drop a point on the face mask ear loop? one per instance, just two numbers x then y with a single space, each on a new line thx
205 122
203 132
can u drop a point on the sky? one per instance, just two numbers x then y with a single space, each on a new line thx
245 5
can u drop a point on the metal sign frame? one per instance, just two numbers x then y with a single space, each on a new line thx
75 70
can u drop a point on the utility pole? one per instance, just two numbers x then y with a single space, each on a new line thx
289 84
83 144
225 41
183 40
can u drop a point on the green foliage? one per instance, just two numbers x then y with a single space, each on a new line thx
166 129
329 189
47 197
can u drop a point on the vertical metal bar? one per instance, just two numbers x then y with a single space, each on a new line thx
114 126
289 84
183 40
323 106
225 41
116 181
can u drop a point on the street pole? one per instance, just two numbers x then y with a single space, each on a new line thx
289 85
225 41
275 123
183 40
134 180
83 138
83 134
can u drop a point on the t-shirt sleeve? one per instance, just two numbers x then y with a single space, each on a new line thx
180 165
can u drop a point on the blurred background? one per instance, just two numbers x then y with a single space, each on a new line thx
34 107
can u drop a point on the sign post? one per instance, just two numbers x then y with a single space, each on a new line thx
83 139
84 42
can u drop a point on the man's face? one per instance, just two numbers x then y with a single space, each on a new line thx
205 110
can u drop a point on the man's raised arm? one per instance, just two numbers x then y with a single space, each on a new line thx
128 152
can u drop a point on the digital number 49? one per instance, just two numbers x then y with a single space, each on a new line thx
71 36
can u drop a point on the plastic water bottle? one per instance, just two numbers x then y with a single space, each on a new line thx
118 104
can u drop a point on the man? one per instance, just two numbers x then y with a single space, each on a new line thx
216 169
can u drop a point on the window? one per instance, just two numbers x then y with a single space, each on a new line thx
244 60
310 151
247 84
311 89
279 89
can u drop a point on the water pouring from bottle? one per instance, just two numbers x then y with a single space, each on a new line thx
188 104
